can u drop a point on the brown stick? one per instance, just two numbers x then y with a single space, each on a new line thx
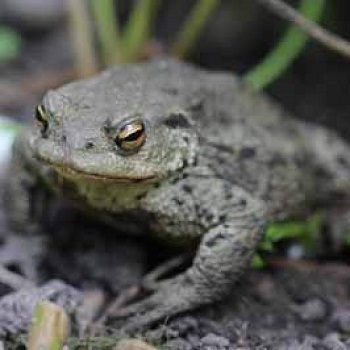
82 38
316 32
14 280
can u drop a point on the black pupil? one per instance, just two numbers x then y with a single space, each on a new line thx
39 114
134 136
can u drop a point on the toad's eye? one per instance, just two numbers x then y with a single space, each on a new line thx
131 135
41 119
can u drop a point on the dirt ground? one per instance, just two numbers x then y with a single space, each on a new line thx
306 307
289 305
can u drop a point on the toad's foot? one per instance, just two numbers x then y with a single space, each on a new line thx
223 253
173 296
226 248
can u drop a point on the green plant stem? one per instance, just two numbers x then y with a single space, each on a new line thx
10 44
193 26
82 39
107 30
286 51
138 29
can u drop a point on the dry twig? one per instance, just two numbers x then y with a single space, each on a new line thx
316 32
14 280
82 38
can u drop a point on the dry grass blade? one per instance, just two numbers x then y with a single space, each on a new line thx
82 38
13 280
50 327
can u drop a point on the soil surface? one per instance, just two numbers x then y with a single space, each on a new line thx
306 307
289 305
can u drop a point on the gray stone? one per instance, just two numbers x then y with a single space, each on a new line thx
341 320
213 341
332 342
16 309
312 310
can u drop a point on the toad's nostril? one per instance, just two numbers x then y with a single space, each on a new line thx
89 145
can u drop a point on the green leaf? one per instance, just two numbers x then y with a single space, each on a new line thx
257 262
10 44
108 30
347 239
266 246
193 26
138 29
278 231
286 51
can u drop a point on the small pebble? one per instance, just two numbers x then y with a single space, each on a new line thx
312 310
265 290
16 309
178 344
214 341
133 344
194 340
332 342
310 343
341 320
292 345
296 252
184 325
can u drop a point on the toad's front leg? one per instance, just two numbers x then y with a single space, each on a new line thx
233 222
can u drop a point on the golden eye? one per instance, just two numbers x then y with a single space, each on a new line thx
131 135
41 118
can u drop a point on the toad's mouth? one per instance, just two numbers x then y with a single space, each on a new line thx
70 172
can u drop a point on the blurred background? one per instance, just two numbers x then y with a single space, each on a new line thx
45 43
